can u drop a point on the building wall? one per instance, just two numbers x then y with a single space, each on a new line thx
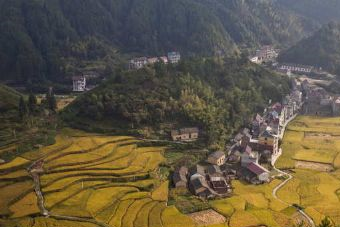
266 140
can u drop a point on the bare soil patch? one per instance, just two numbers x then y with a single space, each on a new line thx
207 217
315 135
313 166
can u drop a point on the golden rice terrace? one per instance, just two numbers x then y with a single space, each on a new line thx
87 180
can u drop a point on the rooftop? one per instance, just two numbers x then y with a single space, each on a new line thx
217 154
256 168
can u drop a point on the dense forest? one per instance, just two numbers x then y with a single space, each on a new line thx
217 95
51 40
319 11
321 49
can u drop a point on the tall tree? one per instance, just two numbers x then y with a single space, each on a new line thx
51 100
32 103
23 110
326 222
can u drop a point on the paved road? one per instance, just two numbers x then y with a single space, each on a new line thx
289 177
277 188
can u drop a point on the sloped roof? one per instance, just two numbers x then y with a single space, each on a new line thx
212 169
189 130
217 154
266 133
256 168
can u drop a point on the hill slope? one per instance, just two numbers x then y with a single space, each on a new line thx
218 96
321 49
9 98
53 39
320 11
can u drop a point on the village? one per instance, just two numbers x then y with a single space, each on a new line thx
255 149
80 82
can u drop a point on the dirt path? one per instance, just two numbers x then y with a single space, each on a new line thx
38 192
277 188
289 177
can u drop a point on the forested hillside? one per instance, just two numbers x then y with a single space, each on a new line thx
51 40
217 95
321 49
9 98
320 11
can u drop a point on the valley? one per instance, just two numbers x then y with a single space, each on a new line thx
169 113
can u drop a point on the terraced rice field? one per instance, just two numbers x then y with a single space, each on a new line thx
315 143
88 180
254 205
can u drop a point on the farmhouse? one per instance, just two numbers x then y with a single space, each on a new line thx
153 60
259 173
79 83
180 177
249 157
217 158
296 68
164 59
214 171
138 63
174 57
266 138
265 53
220 185
336 107
185 134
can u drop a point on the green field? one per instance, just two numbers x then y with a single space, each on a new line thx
314 141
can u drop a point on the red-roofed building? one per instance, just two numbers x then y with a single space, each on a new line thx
261 173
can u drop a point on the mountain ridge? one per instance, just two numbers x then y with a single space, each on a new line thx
322 49
38 38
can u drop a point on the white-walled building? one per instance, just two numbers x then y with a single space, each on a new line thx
174 57
79 83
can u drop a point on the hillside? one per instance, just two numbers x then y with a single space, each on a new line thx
321 49
218 96
320 11
9 98
43 41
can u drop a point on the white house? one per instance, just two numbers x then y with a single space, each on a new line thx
138 63
79 83
174 57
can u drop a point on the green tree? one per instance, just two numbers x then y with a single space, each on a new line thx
23 110
326 222
32 103
51 100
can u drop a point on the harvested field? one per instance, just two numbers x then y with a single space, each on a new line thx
314 165
314 159
207 217
89 179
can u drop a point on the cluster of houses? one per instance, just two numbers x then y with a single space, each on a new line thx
138 63
253 149
264 54
318 100
209 180
258 145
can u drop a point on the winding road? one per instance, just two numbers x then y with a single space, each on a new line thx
277 188
289 177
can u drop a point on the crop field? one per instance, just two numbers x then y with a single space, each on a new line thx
254 205
311 139
87 180
309 144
